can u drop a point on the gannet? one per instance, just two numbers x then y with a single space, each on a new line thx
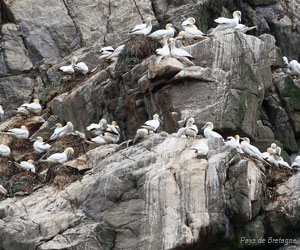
69 69
243 28
22 111
251 150
231 141
97 129
208 131
168 32
296 163
191 128
80 134
1 111
269 156
201 149
141 133
81 67
228 23
164 51
61 131
106 52
21 133
115 55
191 31
26 165
190 20
34 107
40 146
143 29
152 125
292 65
237 139
179 53
3 190
4 150
59 158
112 132
180 35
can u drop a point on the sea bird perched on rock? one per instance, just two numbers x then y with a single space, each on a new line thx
97 129
106 52
208 131
142 29
40 146
34 107
201 149
164 51
190 20
234 142
26 165
115 55
61 131
296 163
22 111
252 150
1 111
243 28
191 129
192 32
228 23
4 150
3 190
59 158
20 133
81 67
168 32
292 65
152 125
180 53
69 69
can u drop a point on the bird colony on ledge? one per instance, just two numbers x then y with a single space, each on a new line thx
104 133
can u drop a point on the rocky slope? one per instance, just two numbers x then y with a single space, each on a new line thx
156 194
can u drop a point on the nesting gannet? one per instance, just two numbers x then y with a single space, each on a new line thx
3 190
243 28
292 65
115 55
40 146
80 134
69 69
208 131
81 67
97 129
152 125
251 150
143 29
201 149
61 131
180 35
164 51
59 158
180 53
141 133
34 107
237 140
191 129
191 31
4 150
190 20
22 111
228 23
21 133
106 52
26 165
112 132
168 32
231 141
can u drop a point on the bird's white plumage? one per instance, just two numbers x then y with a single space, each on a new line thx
40 146
69 69
1 110
116 53
251 150
81 67
60 158
191 31
178 53
34 107
97 129
243 28
143 29
164 51
20 133
209 133
201 148
168 32
26 165
227 23
191 128
152 125
4 150
22 111
61 131
3 190
190 20
106 52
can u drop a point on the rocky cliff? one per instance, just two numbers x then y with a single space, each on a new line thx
156 194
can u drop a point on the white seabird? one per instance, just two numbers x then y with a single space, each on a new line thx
4 150
21 133
59 158
191 31
115 55
61 131
111 135
234 142
106 52
243 28
168 32
208 131
40 146
164 51
228 23
142 29
34 107
180 53
69 69
252 150
26 165
97 129
3 190
22 111
190 20
80 67
201 149
1 111
152 125
191 128
292 65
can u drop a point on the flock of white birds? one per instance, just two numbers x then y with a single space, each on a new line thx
104 133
